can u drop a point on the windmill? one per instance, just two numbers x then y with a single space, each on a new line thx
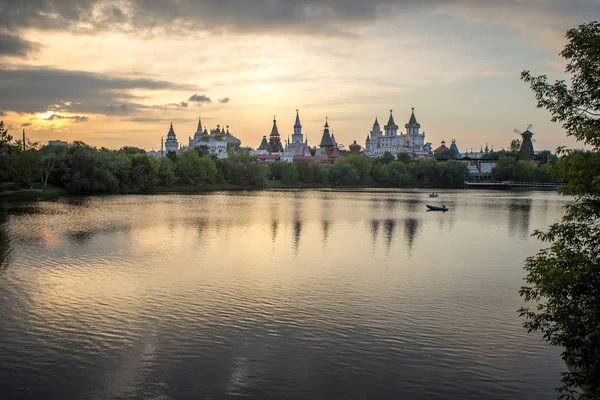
526 141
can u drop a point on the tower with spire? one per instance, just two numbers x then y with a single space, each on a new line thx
391 129
326 142
171 142
297 136
275 139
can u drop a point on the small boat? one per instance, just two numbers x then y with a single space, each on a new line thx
434 195
436 208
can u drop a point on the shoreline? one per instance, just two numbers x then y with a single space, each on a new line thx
51 192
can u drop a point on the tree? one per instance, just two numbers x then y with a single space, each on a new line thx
404 157
343 174
6 161
515 145
564 280
361 164
166 172
243 170
143 172
193 169
387 158
444 155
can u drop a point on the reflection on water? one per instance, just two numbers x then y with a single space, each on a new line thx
5 246
519 215
283 294
411 227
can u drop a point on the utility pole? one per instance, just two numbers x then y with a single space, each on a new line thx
23 139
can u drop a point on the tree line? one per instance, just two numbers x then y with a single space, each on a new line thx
81 168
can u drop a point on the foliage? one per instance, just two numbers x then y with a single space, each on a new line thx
343 174
444 155
387 158
361 164
166 172
193 169
404 157
564 280
515 145
510 168
244 170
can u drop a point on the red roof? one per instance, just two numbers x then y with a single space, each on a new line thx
335 153
441 148
322 159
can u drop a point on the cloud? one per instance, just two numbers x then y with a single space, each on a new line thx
74 118
2 114
158 120
331 17
40 89
169 106
200 98
224 100
26 124
11 45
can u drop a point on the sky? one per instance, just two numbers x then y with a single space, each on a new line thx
117 72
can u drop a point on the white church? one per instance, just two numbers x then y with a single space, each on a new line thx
412 142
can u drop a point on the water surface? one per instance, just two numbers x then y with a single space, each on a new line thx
281 294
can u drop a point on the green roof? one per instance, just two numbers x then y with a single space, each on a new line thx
391 121
413 119
264 145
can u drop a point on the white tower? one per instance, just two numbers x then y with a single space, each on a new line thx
297 135
171 142
391 129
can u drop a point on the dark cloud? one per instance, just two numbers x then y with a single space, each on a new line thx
74 118
11 45
200 98
182 104
224 100
306 16
26 124
2 113
40 89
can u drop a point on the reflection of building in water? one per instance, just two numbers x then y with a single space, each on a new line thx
519 217
274 226
390 226
411 226
374 230
5 244
297 232
325 226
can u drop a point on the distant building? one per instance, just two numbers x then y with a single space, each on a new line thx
354 148
58 143
217 143
298 145
297 148
441 148
171 143
327 140
275 139
389 141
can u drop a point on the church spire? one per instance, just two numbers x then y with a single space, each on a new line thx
391 121
297 135
413 119
199 129
274 130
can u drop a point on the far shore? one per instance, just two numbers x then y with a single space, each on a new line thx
38 191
